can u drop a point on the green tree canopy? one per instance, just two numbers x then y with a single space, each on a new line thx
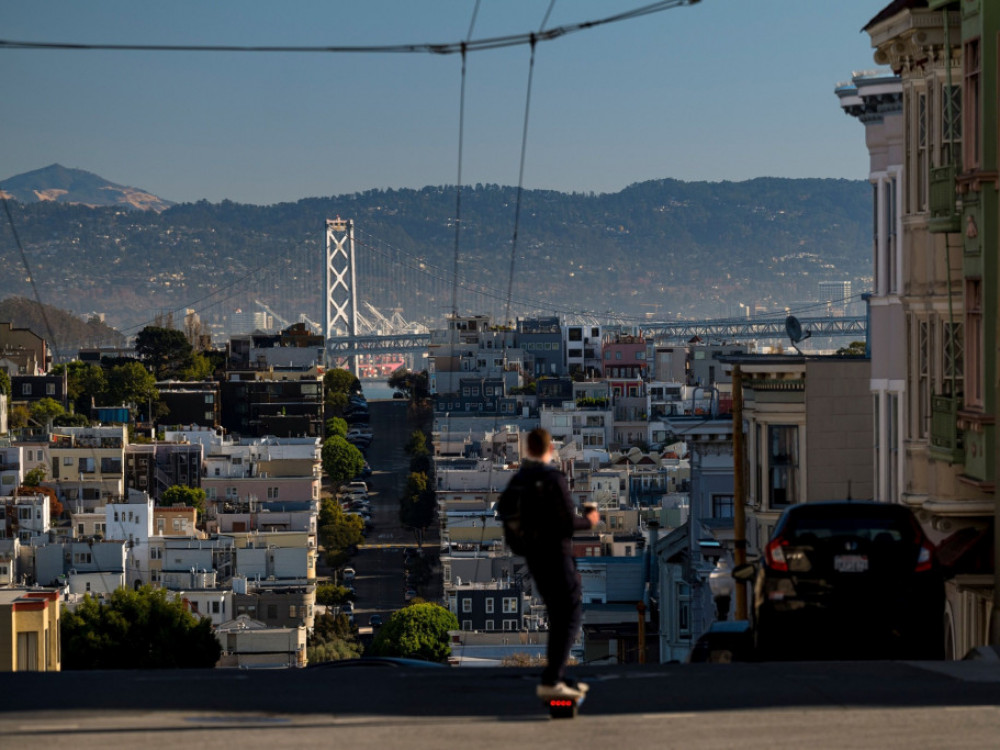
179 494
44 410
339 380
336 426
131 383
144 629
35 477
416 507
337 531
166 350
71 420
341 460
332 639
5 383
330 594
413 385
419 631
417 444
85 384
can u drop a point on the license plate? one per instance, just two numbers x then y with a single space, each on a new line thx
850 563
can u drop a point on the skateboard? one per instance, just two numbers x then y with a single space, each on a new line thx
563 708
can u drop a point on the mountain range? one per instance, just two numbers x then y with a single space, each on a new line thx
665 248
76 186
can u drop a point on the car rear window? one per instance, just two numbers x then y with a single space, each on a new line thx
857 522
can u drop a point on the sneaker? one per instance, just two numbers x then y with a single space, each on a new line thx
559 690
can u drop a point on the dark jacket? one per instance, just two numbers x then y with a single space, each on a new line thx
555 519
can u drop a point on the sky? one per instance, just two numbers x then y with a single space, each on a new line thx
719 90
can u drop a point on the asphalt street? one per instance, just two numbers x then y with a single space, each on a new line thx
804 705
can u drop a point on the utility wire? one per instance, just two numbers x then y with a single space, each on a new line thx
447 48
31 279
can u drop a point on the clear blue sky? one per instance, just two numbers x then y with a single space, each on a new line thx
721 90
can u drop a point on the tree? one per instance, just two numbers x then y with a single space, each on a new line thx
341 460
199 367
18 416
416 507
855 348
71 420
339 380
35 477
330 594
419 631
85 384
45 410
332 639
337 531
166 350
137 629
336 426
417 444
413 385
5 383
189 497
131 383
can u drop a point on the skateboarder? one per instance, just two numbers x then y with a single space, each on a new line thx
550 559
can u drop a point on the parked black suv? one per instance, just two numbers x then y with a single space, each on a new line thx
848 580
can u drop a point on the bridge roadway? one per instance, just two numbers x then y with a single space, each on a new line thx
883 705
726 329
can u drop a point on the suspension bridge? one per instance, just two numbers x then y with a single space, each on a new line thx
372 298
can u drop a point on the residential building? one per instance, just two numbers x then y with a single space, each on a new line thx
248 643
542 340
29 631
31 388
625 356
582 344
154 467
191 403
940 261
22 352
87 465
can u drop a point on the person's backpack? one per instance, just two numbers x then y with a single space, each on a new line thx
521 509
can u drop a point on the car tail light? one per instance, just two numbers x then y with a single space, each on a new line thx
774 554
925 557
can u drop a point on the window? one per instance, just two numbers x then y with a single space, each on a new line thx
50 389
215 608
26 389
67 460
490 603
921 171
951 128
970 115
952 369
509 604
783 464
85 465
924 343
291 611
722 506
490 625
973 342
510 624
466 624
466 605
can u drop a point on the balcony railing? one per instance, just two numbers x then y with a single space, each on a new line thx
944 212
946 439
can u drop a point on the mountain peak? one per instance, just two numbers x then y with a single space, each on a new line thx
67 185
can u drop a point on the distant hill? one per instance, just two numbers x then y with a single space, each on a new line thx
68 334
666 248
63 185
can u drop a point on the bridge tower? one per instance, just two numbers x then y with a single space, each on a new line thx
341 291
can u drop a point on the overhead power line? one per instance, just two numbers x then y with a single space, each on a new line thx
447 48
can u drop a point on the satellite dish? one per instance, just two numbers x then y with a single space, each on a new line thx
794 330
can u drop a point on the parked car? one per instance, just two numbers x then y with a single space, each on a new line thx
348 574
375 621
847 580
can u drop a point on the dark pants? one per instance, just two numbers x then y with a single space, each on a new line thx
558 583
